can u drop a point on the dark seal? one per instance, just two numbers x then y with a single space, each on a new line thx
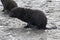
35 18
8 4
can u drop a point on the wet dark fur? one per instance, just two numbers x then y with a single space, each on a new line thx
8 4
35 18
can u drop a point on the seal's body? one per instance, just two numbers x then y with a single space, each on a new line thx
35 18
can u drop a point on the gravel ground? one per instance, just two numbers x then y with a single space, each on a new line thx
12 28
